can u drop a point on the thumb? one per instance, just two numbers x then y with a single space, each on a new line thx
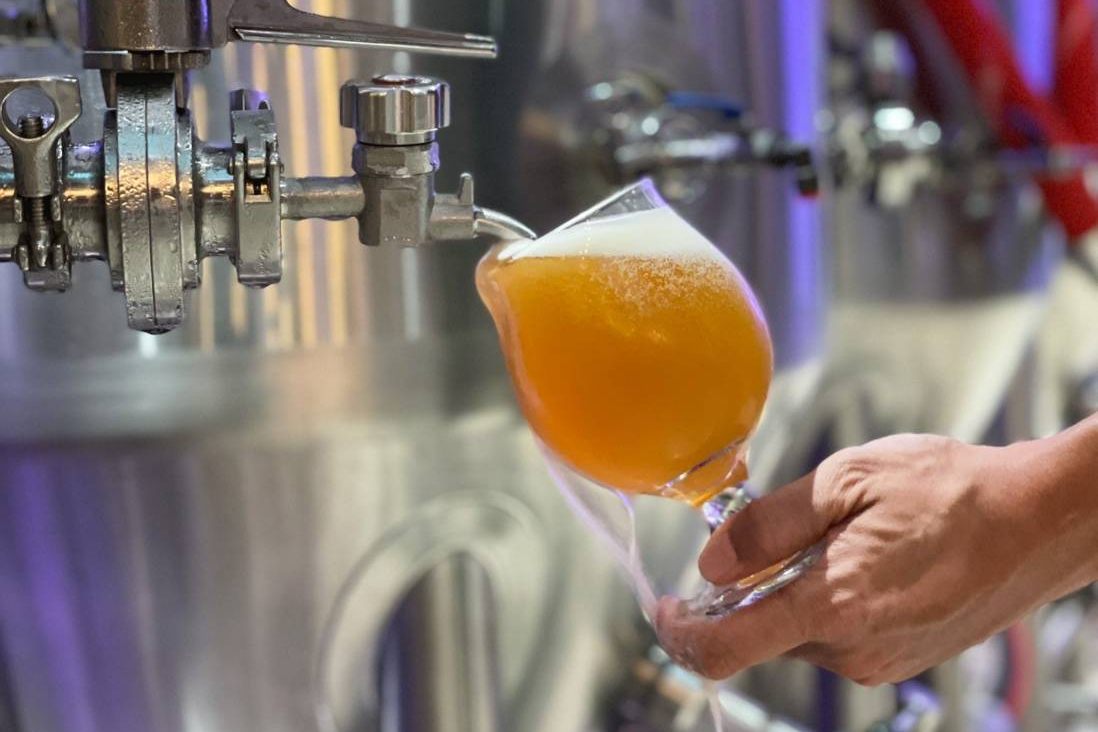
768 531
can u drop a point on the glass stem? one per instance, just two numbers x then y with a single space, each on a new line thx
725 504
721 601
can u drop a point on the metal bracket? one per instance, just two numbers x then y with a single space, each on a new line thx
257 177
35 158
42 251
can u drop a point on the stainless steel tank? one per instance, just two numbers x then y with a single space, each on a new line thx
942 261
315 507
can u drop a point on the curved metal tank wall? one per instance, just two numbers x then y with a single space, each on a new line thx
209 530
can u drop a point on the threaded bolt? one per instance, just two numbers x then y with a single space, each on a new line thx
36 213
31 126
35 209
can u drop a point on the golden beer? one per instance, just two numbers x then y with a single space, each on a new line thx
638 352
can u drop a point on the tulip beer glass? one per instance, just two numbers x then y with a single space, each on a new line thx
641 360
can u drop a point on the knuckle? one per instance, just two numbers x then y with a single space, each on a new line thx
841 477
716 662
845 668
870 680
862 668
813 652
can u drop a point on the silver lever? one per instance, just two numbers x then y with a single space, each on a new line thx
276 21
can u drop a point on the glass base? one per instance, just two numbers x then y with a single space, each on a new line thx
722 601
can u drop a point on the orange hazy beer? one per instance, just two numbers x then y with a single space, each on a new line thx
637 350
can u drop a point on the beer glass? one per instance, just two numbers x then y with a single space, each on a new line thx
642 361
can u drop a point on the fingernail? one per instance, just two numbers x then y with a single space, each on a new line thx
718 558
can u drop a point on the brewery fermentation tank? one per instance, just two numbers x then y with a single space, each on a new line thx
314 506
943 254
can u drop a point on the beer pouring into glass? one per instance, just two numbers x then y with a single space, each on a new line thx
641 360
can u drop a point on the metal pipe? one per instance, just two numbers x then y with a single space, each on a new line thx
145 25
500 226
439 671
84 212
333 199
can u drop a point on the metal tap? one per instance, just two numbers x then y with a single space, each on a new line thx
675 137
879 140
876 138
152 200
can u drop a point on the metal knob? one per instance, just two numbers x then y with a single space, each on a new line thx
395 109
888 66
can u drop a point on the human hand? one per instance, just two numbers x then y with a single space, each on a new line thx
932 546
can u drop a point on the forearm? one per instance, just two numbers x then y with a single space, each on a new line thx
1077 449
1059 476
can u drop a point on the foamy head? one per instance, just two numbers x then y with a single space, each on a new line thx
657 233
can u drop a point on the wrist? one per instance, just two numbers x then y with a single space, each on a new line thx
1053 483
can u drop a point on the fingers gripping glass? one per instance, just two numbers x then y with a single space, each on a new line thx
642 361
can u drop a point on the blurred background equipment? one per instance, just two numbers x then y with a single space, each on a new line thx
313 507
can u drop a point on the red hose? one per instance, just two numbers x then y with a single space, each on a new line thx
1075 79
1021 117
1023 670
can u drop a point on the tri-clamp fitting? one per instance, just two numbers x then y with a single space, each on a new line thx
152 200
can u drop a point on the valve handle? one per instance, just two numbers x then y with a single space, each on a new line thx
276 21
394 109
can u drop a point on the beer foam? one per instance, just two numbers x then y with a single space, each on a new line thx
658 233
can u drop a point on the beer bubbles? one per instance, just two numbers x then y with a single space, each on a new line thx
640 358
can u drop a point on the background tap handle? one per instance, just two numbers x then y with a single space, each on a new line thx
276 21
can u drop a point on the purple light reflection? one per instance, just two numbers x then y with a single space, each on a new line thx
51 638
66 622
1034 34
803 77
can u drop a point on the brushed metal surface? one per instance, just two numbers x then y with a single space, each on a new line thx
237 582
